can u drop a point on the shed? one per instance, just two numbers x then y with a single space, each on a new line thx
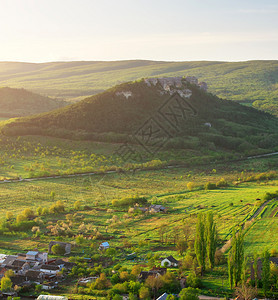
104 245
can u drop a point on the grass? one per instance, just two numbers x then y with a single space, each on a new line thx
255 81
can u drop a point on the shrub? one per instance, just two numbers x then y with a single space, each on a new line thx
193 281
210 186
58 249
190 185
222 183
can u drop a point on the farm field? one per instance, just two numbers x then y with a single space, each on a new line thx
231 206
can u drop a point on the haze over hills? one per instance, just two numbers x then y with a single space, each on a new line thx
252 82
20 102
153 110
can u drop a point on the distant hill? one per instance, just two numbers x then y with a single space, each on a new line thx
251 82
19 102
150 112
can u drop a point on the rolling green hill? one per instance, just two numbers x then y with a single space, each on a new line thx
149 114
252 82
19 102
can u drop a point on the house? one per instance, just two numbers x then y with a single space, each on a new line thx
162 297
155 208
50 269
34 276
9 260
66 246
169 261
19 280
50 297
260 267
49 285
85 281
104 246
62 264
153 272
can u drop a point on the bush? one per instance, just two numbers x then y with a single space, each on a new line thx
58 249
193 281
210 186
129 201
222 183
190 185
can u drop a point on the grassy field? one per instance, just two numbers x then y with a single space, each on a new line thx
167 187
255 81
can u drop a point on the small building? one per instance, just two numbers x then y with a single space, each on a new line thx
169 261
50 269
104 246
156 208
153 272
66 246
162 297
34 276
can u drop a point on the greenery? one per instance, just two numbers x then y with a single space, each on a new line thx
19 102
252 82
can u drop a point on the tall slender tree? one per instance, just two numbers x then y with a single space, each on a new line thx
211 239
255 268
200 243
236 257
266 271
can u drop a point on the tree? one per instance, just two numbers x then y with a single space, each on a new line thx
189 294
211 239
155 283
266 271
6 284
144 293
200 242
58 249
235 259
255 267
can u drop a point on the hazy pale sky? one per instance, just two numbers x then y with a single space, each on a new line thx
174 30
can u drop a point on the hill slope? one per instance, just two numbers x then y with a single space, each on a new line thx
241 81
19 102
152 112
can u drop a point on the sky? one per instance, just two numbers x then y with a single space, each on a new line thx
175 30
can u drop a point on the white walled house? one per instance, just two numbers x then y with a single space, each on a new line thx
50 269
169 261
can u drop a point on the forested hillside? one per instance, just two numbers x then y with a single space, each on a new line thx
187 116
19 102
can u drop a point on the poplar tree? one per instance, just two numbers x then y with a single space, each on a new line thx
235 260
200 242
266 271
255 268
211 239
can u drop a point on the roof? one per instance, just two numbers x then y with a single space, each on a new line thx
33 274
18 279
18 263
50 267
104 244
162 297
172 259
32 253
9 260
